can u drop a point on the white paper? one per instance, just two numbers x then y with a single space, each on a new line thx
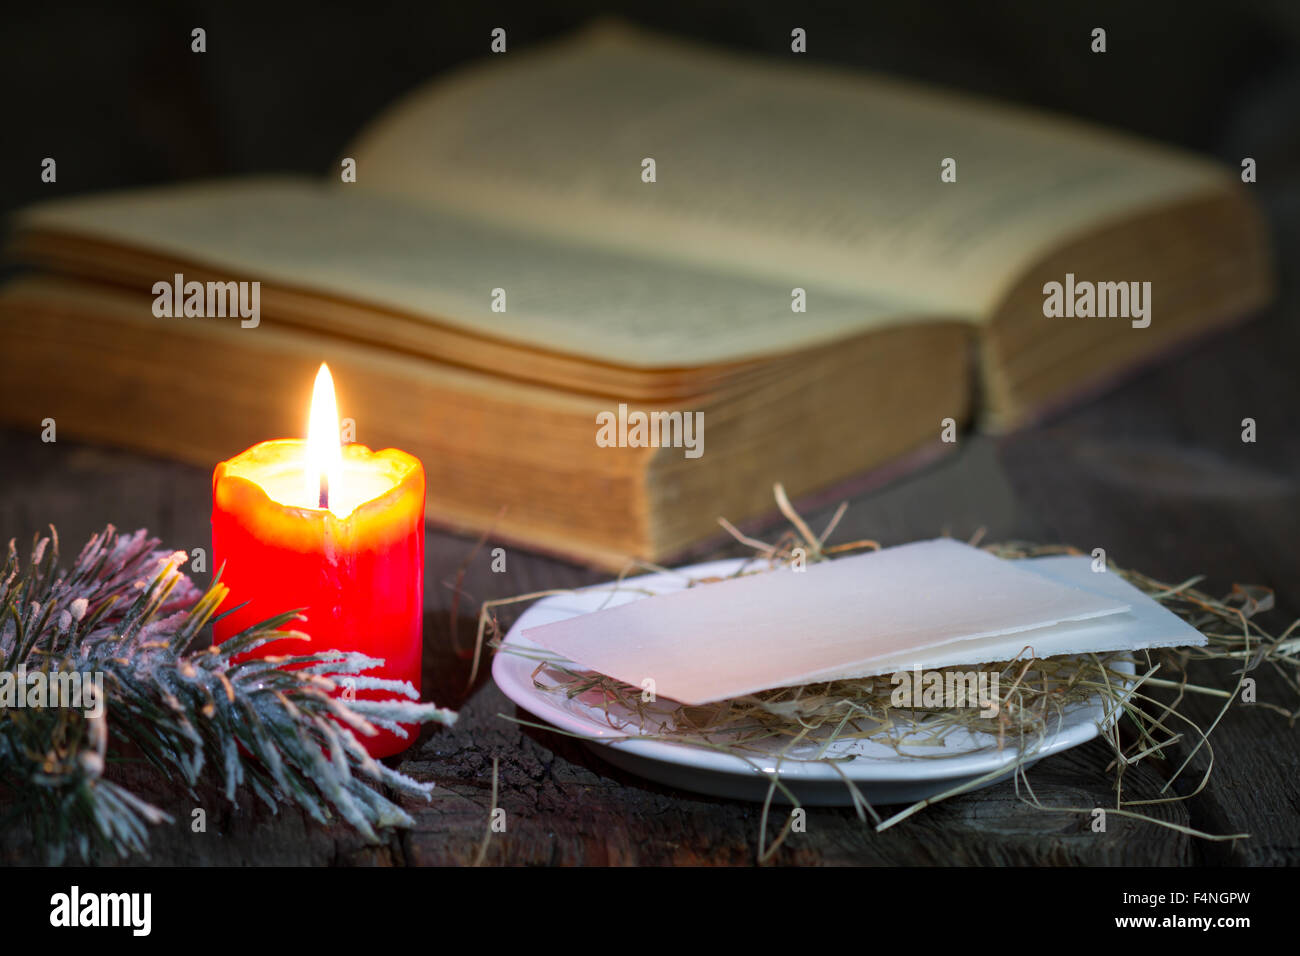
787 627
1147 624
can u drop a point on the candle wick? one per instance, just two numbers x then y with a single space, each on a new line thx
324 501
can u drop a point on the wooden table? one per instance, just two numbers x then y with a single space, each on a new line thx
1155 472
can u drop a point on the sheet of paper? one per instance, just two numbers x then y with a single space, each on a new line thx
1146 624
785 627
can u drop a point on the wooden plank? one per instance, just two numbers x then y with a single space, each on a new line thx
1155 473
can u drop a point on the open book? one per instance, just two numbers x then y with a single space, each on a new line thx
818 267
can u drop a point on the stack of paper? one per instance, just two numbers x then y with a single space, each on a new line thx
929 604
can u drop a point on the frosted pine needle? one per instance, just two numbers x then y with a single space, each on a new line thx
125 611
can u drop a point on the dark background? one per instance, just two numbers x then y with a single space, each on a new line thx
113 92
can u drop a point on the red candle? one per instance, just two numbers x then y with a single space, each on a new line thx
335 529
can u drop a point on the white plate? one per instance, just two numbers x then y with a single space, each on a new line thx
879 771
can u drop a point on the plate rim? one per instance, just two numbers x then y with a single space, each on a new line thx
511 673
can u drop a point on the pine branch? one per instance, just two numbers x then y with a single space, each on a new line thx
126 612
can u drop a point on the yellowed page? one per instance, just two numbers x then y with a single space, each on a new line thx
604 304
773 167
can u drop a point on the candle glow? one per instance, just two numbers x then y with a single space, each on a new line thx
336 530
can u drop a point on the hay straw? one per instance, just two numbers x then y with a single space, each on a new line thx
492 809
809 722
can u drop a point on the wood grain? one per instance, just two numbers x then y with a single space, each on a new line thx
1155 472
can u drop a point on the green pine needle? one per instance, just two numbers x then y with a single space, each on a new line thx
126 612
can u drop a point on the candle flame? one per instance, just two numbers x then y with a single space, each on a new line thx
324 465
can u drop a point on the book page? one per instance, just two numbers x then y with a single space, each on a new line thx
825 178
607 305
